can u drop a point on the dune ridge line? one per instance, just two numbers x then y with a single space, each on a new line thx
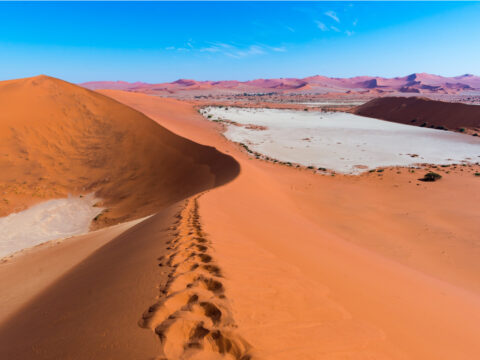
193 316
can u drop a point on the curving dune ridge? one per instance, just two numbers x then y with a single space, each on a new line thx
57 138
84 298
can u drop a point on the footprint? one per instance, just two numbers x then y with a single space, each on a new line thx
192 317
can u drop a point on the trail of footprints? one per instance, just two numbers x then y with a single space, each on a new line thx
192 317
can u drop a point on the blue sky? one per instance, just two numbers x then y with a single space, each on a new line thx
157 42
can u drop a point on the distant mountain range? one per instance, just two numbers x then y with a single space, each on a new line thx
420 83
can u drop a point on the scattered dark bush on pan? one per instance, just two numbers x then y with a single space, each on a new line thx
431 176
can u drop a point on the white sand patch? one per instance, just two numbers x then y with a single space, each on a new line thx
50 220
333 103
344 142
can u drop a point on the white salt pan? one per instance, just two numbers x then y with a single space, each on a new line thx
50 220
343 142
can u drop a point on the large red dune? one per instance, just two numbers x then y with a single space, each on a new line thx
57 138
276 263
413 83
423 112
377 266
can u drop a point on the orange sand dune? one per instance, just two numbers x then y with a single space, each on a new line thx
279 263
423 112
379 266
57 138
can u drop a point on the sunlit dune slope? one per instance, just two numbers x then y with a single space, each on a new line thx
422 112
57 138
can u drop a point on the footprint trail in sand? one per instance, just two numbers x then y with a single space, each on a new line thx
192 316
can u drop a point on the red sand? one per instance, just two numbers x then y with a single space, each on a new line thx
423 112
413 83
57 138
377 266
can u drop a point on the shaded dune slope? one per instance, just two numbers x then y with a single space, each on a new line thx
57 138
422 112
154 291
92 311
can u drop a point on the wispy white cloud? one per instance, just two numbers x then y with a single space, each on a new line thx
179 49
335 28
349 33
211 49
289 28
332 15
321 25
279 49
355 22
234 51
241 53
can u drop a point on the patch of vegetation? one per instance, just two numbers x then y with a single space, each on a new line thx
246 148
477 174
461 129
431 176
380 170
322 169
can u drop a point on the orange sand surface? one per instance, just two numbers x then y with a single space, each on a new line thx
379 266
423 112
57 138
272 262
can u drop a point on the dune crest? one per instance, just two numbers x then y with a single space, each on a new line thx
57 138
192 317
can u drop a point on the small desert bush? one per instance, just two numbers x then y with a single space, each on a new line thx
431 176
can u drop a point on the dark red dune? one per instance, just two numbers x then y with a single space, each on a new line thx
423 112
